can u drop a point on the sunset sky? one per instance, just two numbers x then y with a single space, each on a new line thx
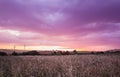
60 24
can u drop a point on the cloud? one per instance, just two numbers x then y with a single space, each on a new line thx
70 21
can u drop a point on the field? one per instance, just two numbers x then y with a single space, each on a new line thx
60 66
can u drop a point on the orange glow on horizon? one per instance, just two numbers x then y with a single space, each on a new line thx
35 47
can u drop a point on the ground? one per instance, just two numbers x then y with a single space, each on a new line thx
60 66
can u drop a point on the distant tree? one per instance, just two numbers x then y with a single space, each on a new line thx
92 52
63 53
75 51
117 51
59 53
67 53
30 53
14 53
99 52
3 54
54 53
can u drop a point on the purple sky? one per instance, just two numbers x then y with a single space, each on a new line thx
60 24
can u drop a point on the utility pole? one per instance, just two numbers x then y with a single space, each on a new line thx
24 47
14 48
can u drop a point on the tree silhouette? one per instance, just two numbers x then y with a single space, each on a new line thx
14 53
74 51
30 53
3 54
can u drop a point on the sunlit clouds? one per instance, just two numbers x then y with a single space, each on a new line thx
60 24
12 32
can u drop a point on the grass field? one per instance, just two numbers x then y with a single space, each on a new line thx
60 66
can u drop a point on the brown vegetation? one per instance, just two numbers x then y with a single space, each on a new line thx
60 66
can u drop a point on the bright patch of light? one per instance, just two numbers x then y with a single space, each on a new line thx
16 33
12 32
43 47
48 48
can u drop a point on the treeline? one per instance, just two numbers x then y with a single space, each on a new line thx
58 53
3 54
44 54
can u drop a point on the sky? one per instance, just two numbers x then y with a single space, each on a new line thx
60 24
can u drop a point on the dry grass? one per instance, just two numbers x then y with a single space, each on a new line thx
60 66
